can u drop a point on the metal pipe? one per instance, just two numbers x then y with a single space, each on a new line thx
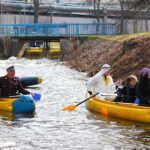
21 5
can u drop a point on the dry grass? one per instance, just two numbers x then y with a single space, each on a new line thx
127 54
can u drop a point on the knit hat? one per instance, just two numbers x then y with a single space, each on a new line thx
144 72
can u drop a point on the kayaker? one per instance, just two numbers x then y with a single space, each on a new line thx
143 87
11 85
102 82
127 94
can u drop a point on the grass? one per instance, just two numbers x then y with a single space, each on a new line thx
119 38
135 65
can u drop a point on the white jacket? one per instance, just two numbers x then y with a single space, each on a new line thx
98 84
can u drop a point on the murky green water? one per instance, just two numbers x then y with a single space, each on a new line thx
52 129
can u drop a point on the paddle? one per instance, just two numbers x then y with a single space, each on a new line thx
36 96
73 107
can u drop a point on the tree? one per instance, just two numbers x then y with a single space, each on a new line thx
36 10
122 16
136 10
96 5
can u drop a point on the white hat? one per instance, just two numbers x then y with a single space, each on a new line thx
105 68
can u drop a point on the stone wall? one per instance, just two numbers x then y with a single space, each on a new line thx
10 47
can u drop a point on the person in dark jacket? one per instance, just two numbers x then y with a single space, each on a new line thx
143 88
11 85
127 94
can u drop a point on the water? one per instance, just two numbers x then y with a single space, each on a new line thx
52 129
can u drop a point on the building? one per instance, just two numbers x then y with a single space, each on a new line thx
67 11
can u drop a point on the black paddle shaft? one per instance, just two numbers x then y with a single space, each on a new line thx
86 99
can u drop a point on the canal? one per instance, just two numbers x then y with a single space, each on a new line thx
49 128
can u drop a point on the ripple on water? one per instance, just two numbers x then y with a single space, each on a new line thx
51 129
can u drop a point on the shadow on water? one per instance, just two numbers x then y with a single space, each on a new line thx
117 121
128 127
9 116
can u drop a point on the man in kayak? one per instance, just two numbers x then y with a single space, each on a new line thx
102 82
11 85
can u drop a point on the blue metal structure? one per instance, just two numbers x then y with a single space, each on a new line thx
46 30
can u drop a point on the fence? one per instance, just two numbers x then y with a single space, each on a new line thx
78 29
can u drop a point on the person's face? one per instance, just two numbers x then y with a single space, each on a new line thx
108 73
11 74
148 75
132 83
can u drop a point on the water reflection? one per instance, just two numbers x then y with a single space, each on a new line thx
9 116
136 131
118 121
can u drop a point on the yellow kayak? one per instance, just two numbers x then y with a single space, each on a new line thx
120 110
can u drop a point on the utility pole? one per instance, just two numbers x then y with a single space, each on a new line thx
36 10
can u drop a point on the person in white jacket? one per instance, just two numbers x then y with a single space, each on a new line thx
103 83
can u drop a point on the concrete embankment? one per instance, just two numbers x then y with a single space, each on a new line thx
10 47
127 54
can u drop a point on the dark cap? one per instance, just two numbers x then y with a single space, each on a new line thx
10 68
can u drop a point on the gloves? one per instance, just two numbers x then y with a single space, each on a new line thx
90 92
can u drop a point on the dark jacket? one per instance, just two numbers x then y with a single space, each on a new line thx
11 87
127 94
143 90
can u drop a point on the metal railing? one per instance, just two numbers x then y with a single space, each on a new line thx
78 29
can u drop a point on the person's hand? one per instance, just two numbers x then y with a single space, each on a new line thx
91 96
119 83
32 94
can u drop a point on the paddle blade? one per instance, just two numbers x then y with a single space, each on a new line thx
137 101
70 108
37 97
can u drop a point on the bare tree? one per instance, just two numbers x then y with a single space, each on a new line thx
136 10
36 10
122 2
143 8
96 5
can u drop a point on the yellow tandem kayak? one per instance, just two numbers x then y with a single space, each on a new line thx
120 110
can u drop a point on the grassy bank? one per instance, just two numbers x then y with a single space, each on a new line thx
127 54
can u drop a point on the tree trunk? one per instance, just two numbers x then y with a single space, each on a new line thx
6 43
146 24
98 19
135 25
36 9
122 18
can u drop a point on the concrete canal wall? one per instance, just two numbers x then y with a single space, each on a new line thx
10 47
